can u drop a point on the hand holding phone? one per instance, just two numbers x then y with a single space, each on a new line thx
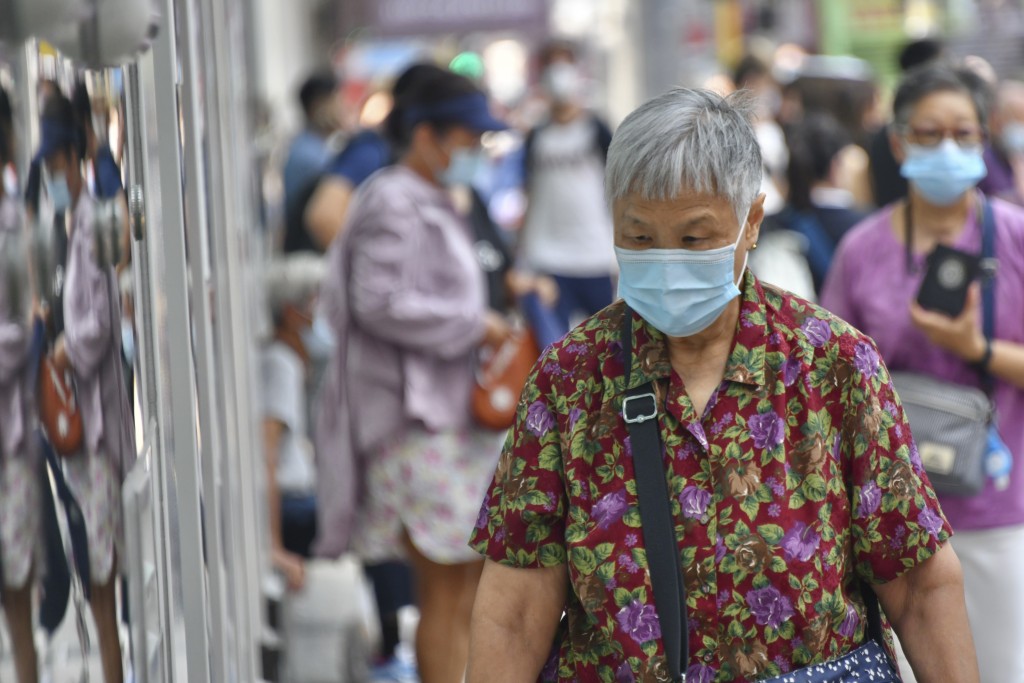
949 275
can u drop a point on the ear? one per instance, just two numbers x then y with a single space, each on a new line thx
754 220
896 145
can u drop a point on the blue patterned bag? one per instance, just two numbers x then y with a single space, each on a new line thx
868 663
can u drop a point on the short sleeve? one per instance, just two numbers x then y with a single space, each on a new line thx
522 520
365 154
280 401
896 520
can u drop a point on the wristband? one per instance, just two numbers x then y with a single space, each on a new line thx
981 365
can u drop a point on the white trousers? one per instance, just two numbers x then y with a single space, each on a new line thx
993 564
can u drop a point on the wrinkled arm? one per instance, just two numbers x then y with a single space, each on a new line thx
926 607
390 301
515 618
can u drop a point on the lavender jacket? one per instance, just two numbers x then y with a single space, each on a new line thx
92 335
406 299
17 415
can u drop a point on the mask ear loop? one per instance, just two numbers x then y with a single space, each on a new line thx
746 254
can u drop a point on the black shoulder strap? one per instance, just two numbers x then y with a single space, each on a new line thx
640 411
989 263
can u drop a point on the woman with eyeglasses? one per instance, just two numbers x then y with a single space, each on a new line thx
939 134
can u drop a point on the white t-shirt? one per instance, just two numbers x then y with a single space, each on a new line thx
284 399
568 228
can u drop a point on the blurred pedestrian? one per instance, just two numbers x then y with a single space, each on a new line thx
819 207
90 346
1004 155
311 149
408 303
887 184
938 133
291 284
772 417
567 226
316 221
20 503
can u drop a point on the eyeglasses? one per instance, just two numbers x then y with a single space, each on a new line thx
933 137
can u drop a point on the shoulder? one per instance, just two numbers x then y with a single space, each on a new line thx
390 191
869 233
1009 217
585 353
800 323
278 359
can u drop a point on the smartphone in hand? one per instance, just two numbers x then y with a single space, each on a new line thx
949 274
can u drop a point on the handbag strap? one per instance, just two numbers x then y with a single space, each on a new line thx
640 411
990 267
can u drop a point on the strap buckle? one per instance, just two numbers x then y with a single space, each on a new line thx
643 417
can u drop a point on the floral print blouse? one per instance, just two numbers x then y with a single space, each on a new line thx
799 479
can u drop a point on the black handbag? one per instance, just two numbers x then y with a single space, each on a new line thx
952 424
869 662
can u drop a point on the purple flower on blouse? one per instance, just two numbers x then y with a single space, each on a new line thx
865 359
782 663
539 419
848 629
631 540
694 501
627 563
817 331
624 674
870 499
915 457
639 622
481 519
837 446
574 416
777 487
791 370
720 549
700 673
609 509
774 510
769 607
767 429
930 521
800 542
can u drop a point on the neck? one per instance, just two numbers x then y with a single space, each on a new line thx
706 344
418 165
939 222
564 112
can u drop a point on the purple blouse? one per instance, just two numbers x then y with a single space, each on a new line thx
17 417
869 286
92 335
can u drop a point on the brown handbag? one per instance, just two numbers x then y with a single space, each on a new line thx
501 379
58 409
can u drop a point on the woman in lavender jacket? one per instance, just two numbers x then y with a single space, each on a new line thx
91 346
19 479
401 466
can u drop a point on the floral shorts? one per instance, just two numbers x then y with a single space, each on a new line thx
94 483
20 512
431 486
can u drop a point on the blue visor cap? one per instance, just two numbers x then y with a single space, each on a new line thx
471 111
54 137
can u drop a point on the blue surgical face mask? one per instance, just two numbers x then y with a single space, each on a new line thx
58 192
463 168
679 291
319 339
942 174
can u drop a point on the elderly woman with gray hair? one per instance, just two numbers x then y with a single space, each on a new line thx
790 483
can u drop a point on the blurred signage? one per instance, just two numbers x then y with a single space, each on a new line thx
423 17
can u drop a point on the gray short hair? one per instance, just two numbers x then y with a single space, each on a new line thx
293 279
686 139
940 77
